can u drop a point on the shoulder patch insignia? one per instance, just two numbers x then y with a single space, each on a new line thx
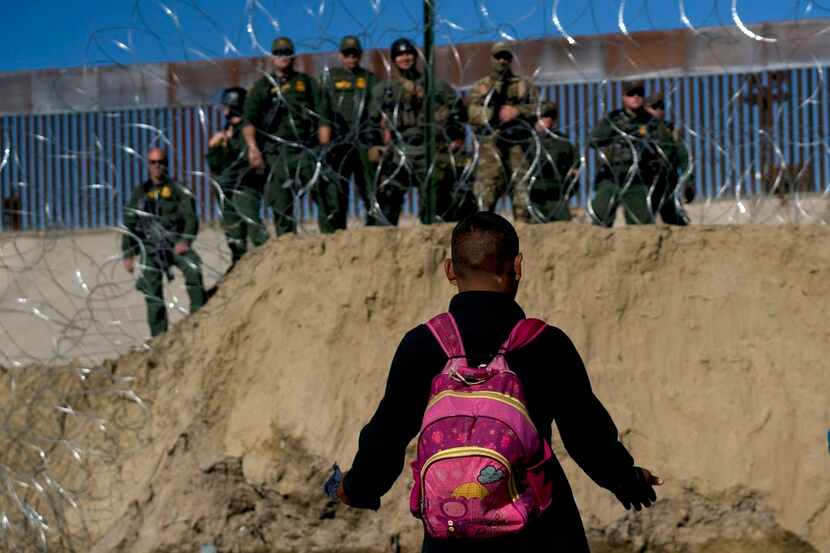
286 87
643 130
153 194
300 86
360 83
342 85
166 192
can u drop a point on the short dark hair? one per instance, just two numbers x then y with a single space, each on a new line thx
484 243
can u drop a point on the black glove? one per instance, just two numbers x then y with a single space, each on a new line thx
635 491
333 482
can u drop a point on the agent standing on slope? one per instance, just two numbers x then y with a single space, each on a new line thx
162 224
547 371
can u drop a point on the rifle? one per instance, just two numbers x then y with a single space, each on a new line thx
158 240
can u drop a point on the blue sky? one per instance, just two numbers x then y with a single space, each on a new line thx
46 34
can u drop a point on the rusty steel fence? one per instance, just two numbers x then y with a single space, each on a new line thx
749 133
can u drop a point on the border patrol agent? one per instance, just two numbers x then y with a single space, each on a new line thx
556 162
502 110
281 127
161 222
346 97
240 189
674 161
622 137
398 110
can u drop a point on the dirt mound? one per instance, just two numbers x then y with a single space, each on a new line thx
707 345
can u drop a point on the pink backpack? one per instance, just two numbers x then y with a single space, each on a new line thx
480 467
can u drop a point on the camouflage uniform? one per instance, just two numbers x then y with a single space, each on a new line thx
158 217
502 165
399 103
346 98
623 138
240 188
285 112
555 161
673 161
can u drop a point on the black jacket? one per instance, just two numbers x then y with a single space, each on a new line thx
557 389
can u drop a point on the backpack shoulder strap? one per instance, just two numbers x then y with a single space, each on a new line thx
445 330
523 333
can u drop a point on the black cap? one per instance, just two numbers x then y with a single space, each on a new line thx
402 46
282 46
350 43
234 98
549 109
635 87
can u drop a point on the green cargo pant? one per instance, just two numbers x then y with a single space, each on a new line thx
150 284
404 167
291 172
549 201
611 192
342 163
663 201
502 168
241 221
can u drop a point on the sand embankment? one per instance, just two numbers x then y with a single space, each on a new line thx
708 345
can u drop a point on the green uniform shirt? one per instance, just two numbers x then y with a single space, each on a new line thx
346 98
227 160
287 107
618 132
559 156
401 102
160 216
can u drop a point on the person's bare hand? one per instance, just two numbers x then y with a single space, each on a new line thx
255 159
129 264
457 145
181 248
217 139
508 113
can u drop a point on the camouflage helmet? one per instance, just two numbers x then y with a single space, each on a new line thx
501 48
283 45
402 46
350 42
234 98
634 87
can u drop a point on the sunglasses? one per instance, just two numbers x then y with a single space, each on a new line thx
283 53
157 161
351 53
503 57
639 93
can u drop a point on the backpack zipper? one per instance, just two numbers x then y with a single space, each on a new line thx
497 396
455 452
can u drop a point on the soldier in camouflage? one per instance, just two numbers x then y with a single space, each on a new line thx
626 152
555 167
281 127
240 189
502 109
398 110
674 163
346 98
161 223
